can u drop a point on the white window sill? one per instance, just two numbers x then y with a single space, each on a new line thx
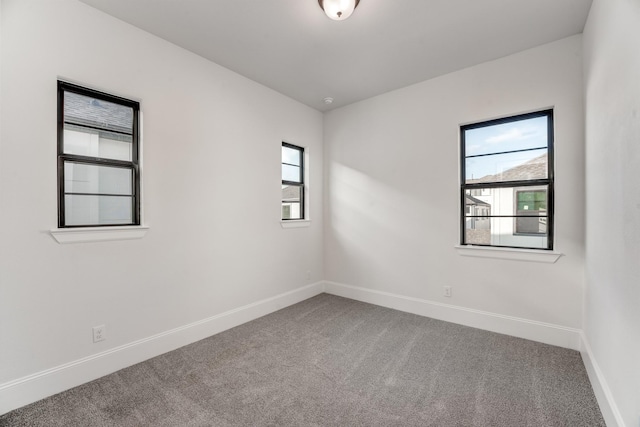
532 255
296 223
98 234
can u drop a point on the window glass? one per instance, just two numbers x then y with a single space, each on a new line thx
97 210
291 173
98 173
93 179
292 182
518 135
532 200
519 166
291 156
499 231
96 112
506 182
96 143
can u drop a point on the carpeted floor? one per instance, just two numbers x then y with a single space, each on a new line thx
331 361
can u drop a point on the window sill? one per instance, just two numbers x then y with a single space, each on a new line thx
296 223
532 255
98 234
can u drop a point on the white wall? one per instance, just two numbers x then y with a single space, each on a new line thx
212 192
392 188
612 304
211 178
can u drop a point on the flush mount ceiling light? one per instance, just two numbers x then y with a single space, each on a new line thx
338 10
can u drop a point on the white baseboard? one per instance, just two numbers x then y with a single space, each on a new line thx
547 333
28 389
523 328
25 390
608 406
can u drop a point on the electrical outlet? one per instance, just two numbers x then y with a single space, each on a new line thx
447 291
99 333
308 274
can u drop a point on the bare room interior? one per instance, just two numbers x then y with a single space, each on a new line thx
332 212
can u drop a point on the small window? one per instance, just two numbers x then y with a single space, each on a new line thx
292 182
98 173
507 182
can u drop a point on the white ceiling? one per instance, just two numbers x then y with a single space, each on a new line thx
293 48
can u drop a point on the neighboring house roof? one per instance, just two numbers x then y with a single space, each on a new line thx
473 201
291 193
533 169
87 111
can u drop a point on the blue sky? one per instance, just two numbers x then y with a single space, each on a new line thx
523 134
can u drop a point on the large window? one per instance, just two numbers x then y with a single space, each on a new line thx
506 186
98 173
292 182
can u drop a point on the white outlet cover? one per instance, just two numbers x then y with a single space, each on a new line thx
99 333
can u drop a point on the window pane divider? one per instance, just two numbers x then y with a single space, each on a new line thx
98 194
112 130
506 152
506 216
99 161
506 184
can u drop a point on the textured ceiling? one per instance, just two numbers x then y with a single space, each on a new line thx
293 48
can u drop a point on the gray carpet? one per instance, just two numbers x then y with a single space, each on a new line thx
331 361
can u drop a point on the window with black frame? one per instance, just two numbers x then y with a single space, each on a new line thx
292 182
98 165
506 186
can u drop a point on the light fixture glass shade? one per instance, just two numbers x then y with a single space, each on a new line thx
338 10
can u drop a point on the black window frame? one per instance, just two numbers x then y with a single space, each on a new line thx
62 157
515 185
300 184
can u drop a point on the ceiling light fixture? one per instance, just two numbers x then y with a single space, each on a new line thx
338 10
